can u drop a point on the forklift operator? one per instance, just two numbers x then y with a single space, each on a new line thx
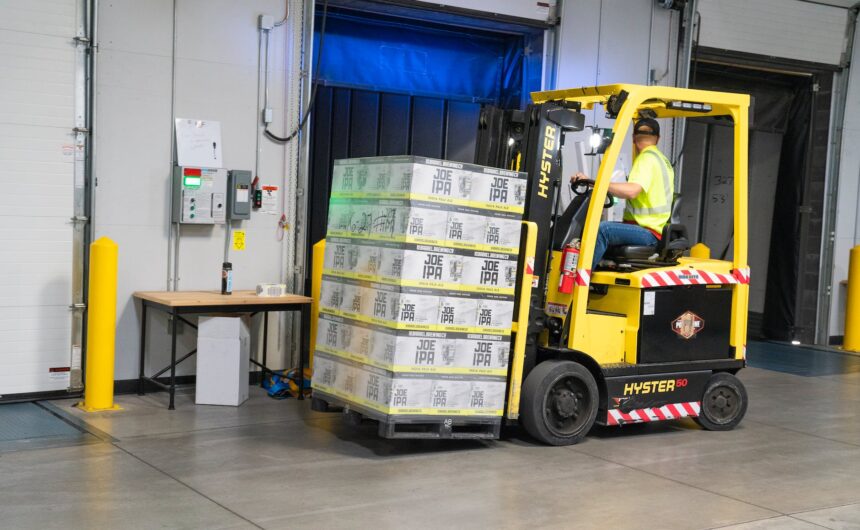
648 191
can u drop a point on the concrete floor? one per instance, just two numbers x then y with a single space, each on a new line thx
793 463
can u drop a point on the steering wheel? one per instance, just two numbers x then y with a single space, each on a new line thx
584 186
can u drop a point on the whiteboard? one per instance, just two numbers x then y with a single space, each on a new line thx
198 143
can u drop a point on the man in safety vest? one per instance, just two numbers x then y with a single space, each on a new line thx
649 190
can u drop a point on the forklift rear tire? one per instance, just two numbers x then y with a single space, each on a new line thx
724 403
559 402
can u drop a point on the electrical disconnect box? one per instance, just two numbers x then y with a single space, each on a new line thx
199 195
239 194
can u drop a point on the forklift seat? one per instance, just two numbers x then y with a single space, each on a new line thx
671 246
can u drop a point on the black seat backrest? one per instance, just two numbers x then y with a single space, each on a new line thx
673 243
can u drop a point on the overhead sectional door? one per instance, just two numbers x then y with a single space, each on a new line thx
37 174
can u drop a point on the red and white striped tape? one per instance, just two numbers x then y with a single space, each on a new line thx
742 275
583 277
693 277
672 411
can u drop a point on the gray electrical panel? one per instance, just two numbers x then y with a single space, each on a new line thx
199 195
239 194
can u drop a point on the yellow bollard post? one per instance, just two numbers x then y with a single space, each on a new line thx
701 251
852 303
101 327
316 286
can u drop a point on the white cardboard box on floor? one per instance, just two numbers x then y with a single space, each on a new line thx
223 357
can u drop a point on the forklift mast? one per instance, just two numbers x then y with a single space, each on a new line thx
531 141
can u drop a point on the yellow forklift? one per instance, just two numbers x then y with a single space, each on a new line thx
658 335
655 336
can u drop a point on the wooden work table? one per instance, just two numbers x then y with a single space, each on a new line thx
178 303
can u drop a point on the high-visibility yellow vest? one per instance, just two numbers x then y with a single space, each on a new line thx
653 207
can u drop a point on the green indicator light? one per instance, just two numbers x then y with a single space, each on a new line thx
191 182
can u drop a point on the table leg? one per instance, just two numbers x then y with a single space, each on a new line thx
265 345
141 384
304 346
173 361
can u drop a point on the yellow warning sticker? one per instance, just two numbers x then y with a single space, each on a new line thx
238 240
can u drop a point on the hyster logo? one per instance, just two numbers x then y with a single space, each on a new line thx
380 303
425 353
499 190
688 324
490 272
442 182
546 160
483 354
649 387
433 267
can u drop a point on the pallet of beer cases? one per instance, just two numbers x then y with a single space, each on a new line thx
417 294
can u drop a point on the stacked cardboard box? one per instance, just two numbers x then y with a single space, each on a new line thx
418 285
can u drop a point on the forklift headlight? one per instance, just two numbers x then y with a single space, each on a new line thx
594 141
599 140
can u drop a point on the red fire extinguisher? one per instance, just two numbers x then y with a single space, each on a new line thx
569 260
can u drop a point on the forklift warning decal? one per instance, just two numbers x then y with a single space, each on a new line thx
688 324
693 277
671 411
556 310
583 277
530 269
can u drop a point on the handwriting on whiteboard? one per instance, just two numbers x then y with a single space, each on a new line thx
198 143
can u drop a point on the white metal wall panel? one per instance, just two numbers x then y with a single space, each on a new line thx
848 197
216 79
37 68
790 29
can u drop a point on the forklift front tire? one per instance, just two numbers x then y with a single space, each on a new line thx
559 402
724 403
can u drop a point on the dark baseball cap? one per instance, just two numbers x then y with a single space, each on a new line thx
647 123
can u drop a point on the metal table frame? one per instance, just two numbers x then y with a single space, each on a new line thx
176 313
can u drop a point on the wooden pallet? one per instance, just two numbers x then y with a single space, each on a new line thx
413 427
443 428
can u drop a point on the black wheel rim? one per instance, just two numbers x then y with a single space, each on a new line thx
722 404
566 406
